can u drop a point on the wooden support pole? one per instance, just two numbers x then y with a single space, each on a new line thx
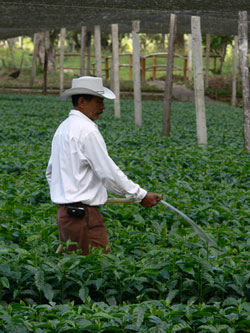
62 42
35 53
45 66
83 44
235 66
112 84
207 59
243 48
190 57
185 71
198 81
98 55
115 63
137 70
169 77
107 68
143 69
130 67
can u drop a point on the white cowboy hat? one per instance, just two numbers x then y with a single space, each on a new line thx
89 85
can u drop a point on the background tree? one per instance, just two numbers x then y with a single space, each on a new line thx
179 43
218 46
46 40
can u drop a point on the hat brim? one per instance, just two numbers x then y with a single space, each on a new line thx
107 93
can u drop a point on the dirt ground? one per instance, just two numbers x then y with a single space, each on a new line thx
182 93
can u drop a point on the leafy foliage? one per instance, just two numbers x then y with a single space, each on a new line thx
159 276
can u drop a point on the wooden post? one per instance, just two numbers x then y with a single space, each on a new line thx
136 70
190 69
35 53
154 67
243 48
115 52
169 77
107 68
143 69
62 42
130 68
45 66
235 65
207 59
198 81
112 83
185 71
83 44
98 55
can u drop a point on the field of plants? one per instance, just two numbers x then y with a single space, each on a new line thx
160 276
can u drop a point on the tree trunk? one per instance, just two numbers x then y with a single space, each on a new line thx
47 38
163 42
88 46
222 59
11 44
179 43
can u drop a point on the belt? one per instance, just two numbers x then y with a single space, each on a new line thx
78 204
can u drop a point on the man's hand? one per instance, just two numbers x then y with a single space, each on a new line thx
151 199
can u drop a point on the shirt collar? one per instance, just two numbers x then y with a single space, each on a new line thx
77 113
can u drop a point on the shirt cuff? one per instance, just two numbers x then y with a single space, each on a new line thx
140 196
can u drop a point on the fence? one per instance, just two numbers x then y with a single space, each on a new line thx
149 64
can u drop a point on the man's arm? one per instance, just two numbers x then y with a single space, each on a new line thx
49 171
110 174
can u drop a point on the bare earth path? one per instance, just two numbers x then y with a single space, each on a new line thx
182 93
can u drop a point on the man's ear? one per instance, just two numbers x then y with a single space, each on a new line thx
81 101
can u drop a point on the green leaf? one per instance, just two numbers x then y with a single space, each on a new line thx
5 282
83 294
48 292
39 279
99 283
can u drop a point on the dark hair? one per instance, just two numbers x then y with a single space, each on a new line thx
76 97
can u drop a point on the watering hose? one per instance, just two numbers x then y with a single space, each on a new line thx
195 226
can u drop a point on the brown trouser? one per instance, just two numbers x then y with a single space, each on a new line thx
88 231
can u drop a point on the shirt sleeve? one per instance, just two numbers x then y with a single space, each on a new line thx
49 171
111 176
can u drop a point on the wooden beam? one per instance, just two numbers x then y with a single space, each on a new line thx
115 64
35 53
243 48
198 81
98 55
169 77
235 67
62 42
137 72
190 68
207 59
83 44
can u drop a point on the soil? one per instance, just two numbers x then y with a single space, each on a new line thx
182 93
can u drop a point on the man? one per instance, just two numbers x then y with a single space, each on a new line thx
80 171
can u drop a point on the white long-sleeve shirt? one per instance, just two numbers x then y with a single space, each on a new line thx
80 169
